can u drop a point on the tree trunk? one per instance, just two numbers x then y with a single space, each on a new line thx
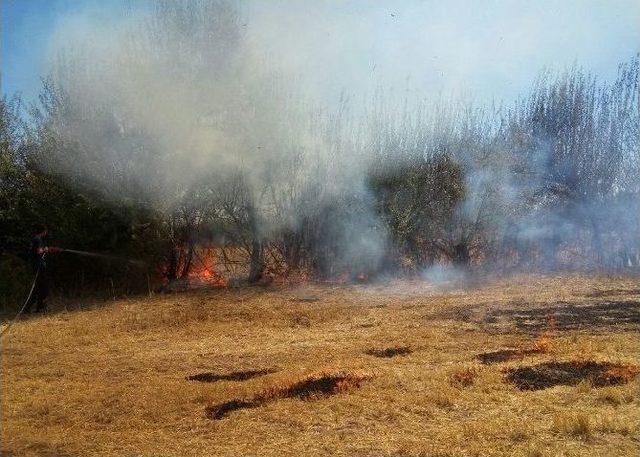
172 266
461 255
256 268
188 261
597 241
257 265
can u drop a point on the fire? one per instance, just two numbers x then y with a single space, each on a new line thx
545 339
200 271
203 272
362 277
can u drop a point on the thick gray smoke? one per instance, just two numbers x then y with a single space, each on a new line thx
181 94
290 124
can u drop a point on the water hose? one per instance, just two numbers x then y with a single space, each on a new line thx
24 306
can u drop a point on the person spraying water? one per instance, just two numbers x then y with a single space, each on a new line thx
38 252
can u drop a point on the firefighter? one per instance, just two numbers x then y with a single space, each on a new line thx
38 251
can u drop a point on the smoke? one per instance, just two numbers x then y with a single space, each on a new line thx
444 275
287 108
152 105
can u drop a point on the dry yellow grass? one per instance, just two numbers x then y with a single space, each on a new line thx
112 379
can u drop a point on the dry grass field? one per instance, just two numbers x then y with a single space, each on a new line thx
525 366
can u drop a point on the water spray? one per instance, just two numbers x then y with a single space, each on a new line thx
105 256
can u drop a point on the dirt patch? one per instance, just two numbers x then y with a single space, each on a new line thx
314 386
550 374
390 352
505 355
233 376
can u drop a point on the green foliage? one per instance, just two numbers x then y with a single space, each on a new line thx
417 201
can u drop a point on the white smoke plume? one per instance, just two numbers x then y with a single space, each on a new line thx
301 101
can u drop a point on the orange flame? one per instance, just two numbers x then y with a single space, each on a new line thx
544 341
203 272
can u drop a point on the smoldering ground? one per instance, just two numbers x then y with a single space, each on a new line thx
310 142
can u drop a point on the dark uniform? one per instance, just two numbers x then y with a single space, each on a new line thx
39 266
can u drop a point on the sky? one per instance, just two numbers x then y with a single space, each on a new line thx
27 29
491 49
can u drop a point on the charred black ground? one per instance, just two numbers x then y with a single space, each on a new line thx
550 374
390 351
504 355
618 315
233 376
309 388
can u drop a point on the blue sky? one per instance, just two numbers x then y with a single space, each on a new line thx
27 28
491 48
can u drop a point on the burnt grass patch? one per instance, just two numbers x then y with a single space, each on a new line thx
390 352
613 292
618 315
550 374
233 376
505 355
312 387
219 411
